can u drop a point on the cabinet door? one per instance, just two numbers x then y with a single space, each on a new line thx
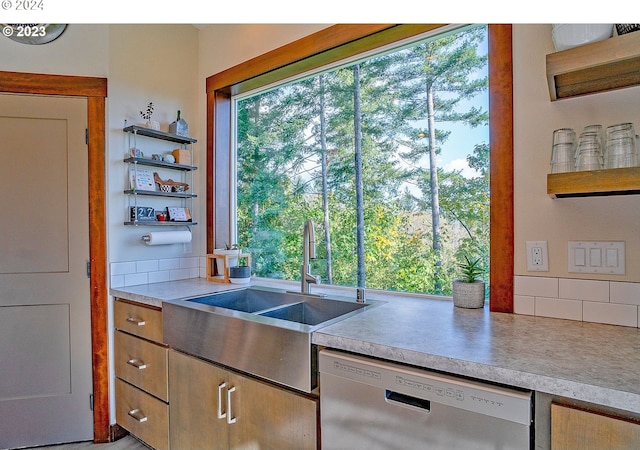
269 417
194 390
576 429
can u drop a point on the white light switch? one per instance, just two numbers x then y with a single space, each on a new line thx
597 257
612 257
580 256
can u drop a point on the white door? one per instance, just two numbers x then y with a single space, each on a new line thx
45 323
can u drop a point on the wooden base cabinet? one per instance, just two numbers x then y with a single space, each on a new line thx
141 367
573 428
215 408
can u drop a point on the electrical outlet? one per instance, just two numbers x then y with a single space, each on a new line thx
537 256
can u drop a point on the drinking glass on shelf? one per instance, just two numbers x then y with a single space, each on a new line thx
589 154
563 158
620 130
564 136
563 150
621 152
598 130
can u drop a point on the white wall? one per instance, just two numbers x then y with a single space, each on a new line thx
159 64
80 50
537 216
559 293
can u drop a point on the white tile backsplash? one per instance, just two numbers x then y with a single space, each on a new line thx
625 293
159 276
536 286
524 304
123 268
614 314
169 264
132 279
180 274
132 273
147 266
559 308
188 263
592 290
610 302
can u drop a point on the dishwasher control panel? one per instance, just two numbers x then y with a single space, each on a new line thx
483 398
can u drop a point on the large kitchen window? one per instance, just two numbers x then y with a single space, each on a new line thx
387 154
349 145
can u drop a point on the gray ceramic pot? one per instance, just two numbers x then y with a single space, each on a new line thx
240 272
468 295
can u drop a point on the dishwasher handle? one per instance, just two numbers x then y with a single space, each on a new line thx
407 401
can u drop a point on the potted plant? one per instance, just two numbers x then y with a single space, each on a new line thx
468 291
147 114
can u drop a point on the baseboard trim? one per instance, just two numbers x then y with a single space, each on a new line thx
116 432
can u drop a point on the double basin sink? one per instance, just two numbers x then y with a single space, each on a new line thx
262 331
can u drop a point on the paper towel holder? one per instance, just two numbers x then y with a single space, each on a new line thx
146 238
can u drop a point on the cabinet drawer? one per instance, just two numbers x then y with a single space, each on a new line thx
142 415
142 364
139 320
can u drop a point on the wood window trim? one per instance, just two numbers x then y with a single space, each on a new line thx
95 91
339 42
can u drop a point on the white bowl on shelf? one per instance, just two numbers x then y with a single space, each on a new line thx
240 280
569 35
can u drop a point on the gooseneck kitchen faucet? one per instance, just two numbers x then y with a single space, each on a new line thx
308 253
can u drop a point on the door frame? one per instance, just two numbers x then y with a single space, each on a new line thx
95 91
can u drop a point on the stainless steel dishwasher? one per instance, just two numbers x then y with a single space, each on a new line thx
370 404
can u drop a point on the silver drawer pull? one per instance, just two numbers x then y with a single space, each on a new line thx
137 414
138 322
137 363
221 415
230 418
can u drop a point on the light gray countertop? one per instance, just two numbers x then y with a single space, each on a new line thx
153 294
590 362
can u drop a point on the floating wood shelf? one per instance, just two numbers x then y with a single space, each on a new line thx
591 183
597 67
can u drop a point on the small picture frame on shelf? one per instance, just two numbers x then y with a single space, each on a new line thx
179 214
142 214
141 179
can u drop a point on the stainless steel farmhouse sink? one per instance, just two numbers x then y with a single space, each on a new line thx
313 311
258 330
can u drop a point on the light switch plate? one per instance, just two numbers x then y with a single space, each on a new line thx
537 256
606 257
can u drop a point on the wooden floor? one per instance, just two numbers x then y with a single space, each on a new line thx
126 443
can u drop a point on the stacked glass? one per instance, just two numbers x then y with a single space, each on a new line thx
620 147
589 152
563 151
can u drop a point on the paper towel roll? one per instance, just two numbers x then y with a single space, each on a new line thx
167 237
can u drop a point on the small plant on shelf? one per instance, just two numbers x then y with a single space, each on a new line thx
146 115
